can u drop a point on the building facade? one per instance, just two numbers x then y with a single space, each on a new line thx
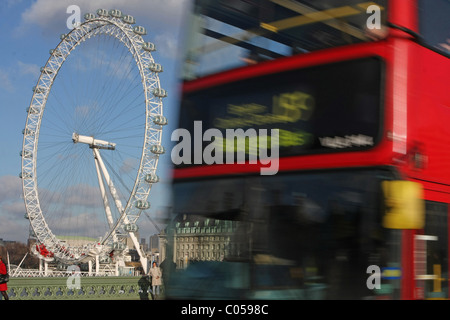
197 238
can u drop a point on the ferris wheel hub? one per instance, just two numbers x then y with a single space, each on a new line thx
93 143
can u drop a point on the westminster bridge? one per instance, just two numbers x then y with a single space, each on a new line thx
79 288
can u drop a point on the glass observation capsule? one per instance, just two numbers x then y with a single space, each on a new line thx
27 132
55 52
155 67
25 175
157 149
102 13
119 246
33 110
131 227
140 30
46 70
142 204
151 178
149 46
26 154
158 92
128 19
89 16
115 13
37 89
160 120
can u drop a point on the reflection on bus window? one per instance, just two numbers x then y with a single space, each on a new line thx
296 236
434 23
228 34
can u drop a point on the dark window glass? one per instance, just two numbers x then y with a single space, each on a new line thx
331 107
434 23
304 236
226 34
435 246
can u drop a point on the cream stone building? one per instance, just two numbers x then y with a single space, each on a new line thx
198 238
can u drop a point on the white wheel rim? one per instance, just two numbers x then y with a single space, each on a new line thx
95 26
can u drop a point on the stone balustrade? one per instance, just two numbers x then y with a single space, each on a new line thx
81 288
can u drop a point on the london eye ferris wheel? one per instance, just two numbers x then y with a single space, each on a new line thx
92 138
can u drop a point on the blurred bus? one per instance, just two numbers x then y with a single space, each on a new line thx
357 205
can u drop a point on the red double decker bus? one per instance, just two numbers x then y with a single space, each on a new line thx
356 205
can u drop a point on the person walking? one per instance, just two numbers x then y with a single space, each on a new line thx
144 285
156 274
3 286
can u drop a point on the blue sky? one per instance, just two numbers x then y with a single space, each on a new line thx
28 30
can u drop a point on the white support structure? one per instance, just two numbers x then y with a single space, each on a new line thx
109 182
103 193
43 266
97 264
90 268
96 144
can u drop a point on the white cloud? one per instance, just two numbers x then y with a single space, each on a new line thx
8 76
16 209
167 46
88 225
5 81
128 165
77 195
28 69
161 16
13 226
163 19
13 229
10 188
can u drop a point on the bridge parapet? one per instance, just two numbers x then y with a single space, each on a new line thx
73 288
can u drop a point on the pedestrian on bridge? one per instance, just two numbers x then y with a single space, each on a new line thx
156 274
3 286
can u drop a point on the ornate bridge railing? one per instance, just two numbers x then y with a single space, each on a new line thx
79 288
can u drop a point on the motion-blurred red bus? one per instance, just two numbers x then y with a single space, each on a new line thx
358 205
